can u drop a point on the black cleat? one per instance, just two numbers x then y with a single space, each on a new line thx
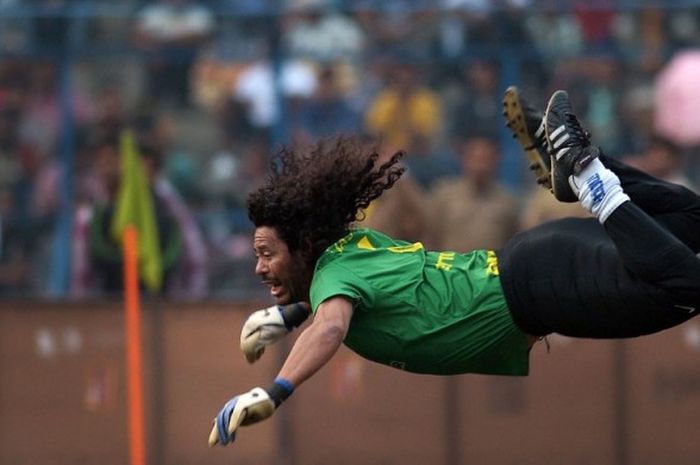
568 144
527 126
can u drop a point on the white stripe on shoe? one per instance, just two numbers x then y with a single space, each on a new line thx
557 131
561 140
562 152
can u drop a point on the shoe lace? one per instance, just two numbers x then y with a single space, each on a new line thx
578 137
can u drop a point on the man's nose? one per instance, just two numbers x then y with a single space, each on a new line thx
260 267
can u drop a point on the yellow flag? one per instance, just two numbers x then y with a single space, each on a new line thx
134 206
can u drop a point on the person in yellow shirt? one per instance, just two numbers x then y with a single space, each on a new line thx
405 110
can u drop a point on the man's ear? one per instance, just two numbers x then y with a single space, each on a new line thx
306 252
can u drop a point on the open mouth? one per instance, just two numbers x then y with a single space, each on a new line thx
275 287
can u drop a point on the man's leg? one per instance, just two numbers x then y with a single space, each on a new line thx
646 247
674 207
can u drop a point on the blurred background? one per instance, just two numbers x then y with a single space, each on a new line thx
212 89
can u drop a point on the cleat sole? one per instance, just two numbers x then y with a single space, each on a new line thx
515 121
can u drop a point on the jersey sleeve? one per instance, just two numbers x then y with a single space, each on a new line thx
336 280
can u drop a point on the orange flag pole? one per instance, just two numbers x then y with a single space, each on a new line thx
134 368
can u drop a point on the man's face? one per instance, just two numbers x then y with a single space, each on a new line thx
107 166
480 160
283 272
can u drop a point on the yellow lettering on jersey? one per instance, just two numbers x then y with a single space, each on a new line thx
364 243
406 248
491 263
442 260
340 245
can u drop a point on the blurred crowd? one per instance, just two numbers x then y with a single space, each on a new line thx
213 88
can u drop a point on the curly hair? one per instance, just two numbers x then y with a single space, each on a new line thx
315 193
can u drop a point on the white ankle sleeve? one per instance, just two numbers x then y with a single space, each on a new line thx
599 190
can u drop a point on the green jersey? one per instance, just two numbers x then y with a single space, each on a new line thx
425 312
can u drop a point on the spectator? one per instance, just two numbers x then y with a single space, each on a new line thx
405 111
637 112
604 96
172 32
663 159
596 23
326 113
28 206
408 114
110 113
474 211
555 32
653 37
255 104
394 26
311 32
479 109
428 165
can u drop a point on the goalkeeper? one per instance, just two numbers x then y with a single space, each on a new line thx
630 270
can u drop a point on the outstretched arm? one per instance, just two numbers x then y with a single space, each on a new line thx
313 349
317 344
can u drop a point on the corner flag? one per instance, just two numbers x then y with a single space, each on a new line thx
134 206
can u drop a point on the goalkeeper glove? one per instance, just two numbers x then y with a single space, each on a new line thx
269 325
243 410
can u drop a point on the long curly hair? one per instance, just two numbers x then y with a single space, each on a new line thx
315 193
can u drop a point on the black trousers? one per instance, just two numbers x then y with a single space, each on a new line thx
637 274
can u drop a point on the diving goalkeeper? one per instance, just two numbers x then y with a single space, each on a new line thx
630 270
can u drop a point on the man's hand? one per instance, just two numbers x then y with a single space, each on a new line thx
267 326
246 409
262 328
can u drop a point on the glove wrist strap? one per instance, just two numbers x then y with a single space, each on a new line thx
293 315
280 390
